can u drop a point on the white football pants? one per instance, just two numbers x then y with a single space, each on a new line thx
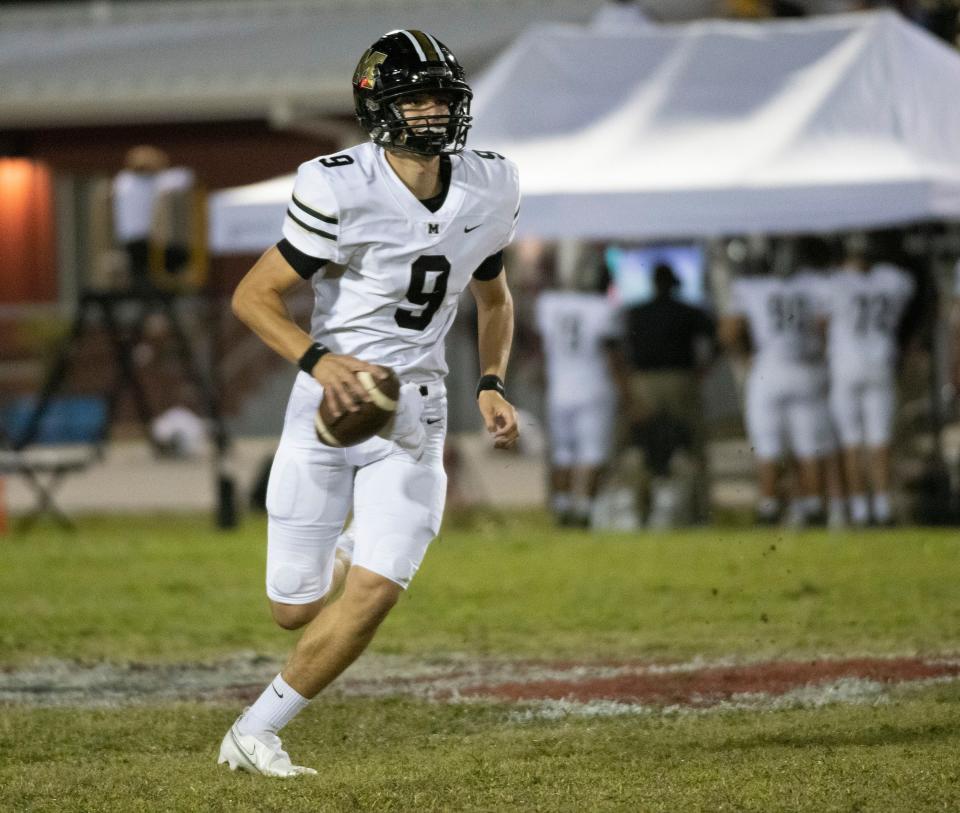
397 501
786 410
863 406
580 434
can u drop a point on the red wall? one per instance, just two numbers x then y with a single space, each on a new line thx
28 269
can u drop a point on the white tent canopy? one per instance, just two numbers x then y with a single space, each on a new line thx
248 219
707 128
720 127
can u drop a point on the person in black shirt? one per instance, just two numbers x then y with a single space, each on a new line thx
669 344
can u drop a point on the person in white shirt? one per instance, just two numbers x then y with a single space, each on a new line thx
579 331
866 301
389 233
135 193
785 406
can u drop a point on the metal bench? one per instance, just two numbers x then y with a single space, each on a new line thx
67 441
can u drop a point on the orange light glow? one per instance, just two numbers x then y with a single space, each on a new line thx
28 270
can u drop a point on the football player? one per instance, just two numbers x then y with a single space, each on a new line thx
579 331
389 233
866 302
786 406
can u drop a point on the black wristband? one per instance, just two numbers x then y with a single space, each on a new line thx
490 382
309 359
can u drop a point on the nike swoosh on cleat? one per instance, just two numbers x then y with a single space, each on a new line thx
248 755
278 694
468 229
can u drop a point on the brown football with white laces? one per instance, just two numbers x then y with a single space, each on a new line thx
351 428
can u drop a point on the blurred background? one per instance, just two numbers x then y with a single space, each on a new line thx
696 175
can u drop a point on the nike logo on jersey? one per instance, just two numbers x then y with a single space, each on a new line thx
468 229
278 694
432 421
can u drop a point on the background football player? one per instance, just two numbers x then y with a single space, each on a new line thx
579 331
866 302
389 233
786 406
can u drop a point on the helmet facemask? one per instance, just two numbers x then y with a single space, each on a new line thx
426 135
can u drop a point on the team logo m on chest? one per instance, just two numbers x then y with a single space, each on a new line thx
433 228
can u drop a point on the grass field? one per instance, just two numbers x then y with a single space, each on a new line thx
168 591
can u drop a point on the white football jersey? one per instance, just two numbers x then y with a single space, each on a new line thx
574 327
864 309
782 313
404 267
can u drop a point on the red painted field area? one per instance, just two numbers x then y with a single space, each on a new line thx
622 687
590 687
712 684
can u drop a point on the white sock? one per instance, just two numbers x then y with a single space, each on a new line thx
881 507
582 506
812 506
796 512
768 507
837 509
837 513
859 509
562 502
276 707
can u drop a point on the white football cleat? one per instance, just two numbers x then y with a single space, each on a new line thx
261 754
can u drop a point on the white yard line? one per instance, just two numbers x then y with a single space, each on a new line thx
456 679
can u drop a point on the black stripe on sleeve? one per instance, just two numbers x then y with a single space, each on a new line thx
490 268
305 265
516 214
315 213
303 225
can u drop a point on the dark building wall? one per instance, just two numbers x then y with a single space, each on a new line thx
222 154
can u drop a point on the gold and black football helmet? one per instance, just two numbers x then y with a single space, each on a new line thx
404 64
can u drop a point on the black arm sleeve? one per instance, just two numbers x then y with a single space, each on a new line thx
490 268
305 265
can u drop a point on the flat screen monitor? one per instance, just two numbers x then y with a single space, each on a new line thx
632 270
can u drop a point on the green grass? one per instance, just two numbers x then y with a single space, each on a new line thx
172 589
162 589
403 756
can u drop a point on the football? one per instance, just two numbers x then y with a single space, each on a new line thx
351 428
